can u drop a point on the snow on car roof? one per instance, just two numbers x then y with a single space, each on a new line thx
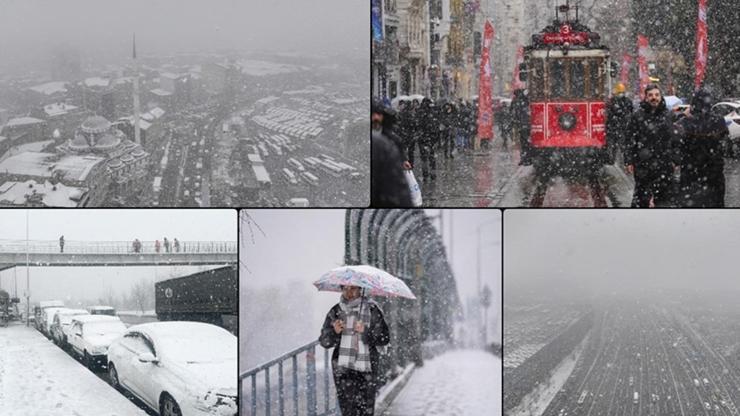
72 312
180 329
101 307
190 341
96 318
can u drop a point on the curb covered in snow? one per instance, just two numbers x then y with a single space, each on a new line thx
389 392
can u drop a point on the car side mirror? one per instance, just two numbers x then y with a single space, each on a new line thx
147 357
78 333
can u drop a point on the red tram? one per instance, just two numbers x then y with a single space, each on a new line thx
569 76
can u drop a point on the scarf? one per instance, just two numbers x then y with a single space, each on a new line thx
353 352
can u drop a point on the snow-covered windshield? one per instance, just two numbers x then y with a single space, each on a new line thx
104 328
199 347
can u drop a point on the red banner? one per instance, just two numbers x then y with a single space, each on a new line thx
702 47
516 83
642 45
624 76
485 110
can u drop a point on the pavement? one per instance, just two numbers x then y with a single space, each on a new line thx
495 179
456 383
38 378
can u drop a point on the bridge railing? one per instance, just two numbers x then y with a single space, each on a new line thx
308 388
118 247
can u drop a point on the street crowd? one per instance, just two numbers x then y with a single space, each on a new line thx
676 158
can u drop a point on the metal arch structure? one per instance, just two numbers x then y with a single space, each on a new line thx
405 243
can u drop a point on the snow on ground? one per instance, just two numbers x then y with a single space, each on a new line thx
37 378
457 383
535 403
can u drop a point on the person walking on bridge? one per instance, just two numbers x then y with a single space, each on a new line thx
61 244
355 328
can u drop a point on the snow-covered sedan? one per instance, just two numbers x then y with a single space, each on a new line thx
61 324
90 335
177 368
47 318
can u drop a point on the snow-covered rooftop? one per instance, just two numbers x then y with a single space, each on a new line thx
72 167
22 121
59 195
97 82
161 92
50 87
58 109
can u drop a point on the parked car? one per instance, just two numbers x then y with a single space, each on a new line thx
177 368
102 310
47 318
730 110
91 335
38 311
61 323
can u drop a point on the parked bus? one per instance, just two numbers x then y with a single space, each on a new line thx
310 178
296 164
290 176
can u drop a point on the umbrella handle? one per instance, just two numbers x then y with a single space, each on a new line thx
362 301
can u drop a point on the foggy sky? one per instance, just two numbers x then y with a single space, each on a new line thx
106 225
32 28
618 251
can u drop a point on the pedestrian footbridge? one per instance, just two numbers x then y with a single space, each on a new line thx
40 253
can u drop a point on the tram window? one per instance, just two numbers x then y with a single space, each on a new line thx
596 78
577 79
536 81
556 78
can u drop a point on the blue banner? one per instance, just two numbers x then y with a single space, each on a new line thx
375 18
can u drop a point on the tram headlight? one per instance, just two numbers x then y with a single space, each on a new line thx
567 121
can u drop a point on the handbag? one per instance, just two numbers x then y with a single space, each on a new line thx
414 188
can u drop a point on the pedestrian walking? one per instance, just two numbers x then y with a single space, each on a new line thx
520 124
651 153
448 128
704 138
503 118
166 245
428 131
177 246
137 245
61 244
618 113
157 246
355 328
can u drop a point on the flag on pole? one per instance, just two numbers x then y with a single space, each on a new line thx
485 110
375 16
702 47
642 45
517 84
624 76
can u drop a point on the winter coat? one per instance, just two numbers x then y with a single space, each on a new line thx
651 145
618 114
703 139
520 111
388 185
376 334
428 124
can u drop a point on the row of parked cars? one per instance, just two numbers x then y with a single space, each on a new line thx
174 367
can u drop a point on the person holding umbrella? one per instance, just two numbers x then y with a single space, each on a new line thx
355 328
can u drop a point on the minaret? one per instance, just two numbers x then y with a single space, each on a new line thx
136 97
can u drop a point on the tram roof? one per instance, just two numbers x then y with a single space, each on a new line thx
572 53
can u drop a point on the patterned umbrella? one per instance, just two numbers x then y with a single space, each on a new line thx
376 282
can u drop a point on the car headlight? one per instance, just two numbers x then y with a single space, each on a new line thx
100 349
217 403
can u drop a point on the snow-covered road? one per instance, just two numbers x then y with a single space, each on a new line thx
457 383
38 378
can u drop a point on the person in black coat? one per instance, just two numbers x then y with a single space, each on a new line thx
704 137
618 113
427 132
520 123
447 129
651 152
355 359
